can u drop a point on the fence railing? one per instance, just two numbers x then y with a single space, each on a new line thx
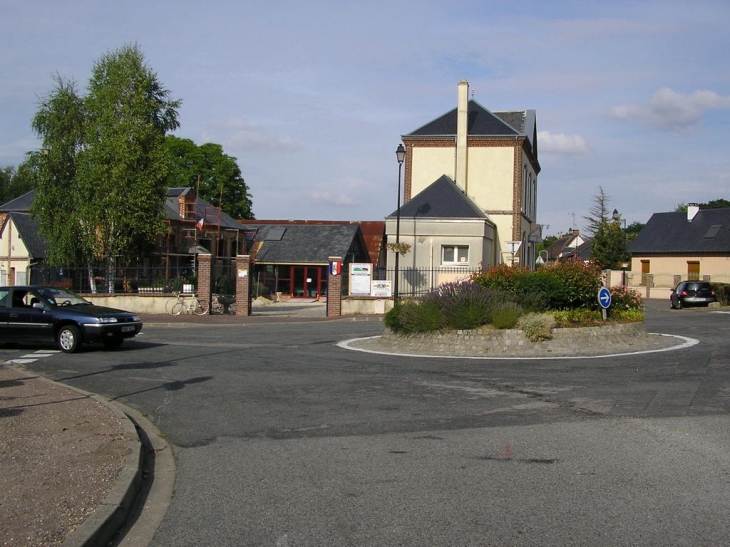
418 282
131 280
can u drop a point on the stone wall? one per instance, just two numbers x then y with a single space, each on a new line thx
512 342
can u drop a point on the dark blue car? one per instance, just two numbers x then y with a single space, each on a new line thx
36 313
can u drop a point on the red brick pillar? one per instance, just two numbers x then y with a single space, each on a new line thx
334 289
243 285
204 277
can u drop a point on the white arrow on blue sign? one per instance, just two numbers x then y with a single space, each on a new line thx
604 297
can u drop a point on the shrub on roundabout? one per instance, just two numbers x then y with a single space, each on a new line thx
562 294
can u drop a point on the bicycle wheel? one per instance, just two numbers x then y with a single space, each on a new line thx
171 304
177 308
201 307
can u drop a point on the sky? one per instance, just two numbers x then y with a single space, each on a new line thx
311 98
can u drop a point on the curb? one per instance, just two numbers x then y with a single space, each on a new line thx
109 517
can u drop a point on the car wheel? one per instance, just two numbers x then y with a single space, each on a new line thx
679 303
69 339
113 343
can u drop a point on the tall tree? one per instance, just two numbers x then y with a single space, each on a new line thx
598 213
215 174
103 165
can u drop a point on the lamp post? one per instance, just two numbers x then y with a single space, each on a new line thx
400 155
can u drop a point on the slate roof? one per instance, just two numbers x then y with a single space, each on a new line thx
373 231
481 122
671 233
303 243
564 247
28 231
441 199
21 203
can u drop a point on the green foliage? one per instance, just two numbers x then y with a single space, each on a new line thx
557 285
623 298
577 317
722 291
506 315
215 175
609 245
465 305
101 173
410 316
537 326
630 315
14 183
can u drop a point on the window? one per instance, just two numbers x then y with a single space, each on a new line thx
455 254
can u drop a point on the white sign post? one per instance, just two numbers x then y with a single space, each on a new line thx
513 247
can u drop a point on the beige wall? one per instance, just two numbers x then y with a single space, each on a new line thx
427 237
429 164
490 177
13 254
665 268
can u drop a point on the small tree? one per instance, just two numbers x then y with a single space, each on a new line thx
216 175
103 166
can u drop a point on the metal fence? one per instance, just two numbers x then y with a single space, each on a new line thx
131 280
418 282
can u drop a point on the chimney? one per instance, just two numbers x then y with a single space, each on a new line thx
692 210
462 119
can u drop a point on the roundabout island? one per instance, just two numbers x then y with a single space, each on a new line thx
488 343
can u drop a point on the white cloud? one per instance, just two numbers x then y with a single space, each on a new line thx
339 200
668 109
561 143
238 136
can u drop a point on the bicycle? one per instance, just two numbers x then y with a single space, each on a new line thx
192 304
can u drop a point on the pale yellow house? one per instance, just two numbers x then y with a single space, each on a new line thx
683 245
20 249
491 159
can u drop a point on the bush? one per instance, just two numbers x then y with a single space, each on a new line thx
410 317
631 315
465 305
506 315
537 326
623 298
722 291
559 285
578 317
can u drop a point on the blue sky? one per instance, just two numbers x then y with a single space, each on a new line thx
312 97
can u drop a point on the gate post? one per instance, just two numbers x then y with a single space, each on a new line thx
334 287
243 285
204 277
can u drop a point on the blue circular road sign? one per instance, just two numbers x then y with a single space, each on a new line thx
604 297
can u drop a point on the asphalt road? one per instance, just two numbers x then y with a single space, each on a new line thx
282 438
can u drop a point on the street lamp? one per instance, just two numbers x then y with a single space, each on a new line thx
400 155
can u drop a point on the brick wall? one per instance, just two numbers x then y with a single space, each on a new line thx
243 285
204 291
334 290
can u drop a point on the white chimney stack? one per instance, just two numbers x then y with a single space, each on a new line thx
692 210
462 120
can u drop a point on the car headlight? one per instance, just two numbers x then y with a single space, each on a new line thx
136 318
107 320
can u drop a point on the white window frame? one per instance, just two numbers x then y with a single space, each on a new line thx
457 255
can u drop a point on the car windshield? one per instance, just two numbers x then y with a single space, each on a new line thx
62 297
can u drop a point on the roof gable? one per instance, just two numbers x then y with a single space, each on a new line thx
21 203
28 231
305 243
441 199
481 122
672 233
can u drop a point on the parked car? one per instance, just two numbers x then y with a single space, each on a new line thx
36 313
692 293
